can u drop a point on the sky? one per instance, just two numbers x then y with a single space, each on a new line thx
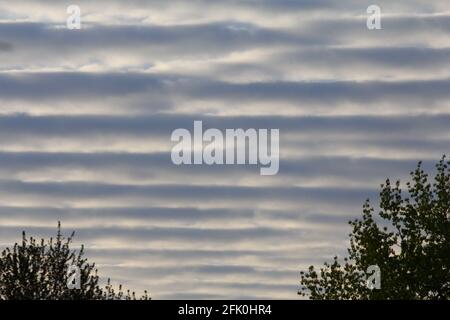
86 117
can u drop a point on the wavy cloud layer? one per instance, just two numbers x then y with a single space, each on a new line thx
86 117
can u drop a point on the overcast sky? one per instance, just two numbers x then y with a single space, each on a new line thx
86 117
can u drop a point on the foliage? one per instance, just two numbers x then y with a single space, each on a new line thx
409 241
38 270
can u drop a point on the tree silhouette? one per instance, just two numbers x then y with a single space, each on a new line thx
409 240
41 270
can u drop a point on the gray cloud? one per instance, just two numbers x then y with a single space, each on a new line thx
5 46
159 233
86 118
404 94
163 125
98 190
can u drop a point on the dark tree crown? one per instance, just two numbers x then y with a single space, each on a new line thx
39 270
409 240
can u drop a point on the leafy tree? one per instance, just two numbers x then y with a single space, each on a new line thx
39 270
409 241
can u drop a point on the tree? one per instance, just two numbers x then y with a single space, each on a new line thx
40 270
409 240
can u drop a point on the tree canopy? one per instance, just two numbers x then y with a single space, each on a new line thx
41 270
408 240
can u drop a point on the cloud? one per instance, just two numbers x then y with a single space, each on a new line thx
86 118
5 46
324 97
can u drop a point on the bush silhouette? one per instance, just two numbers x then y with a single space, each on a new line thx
409 241
39 270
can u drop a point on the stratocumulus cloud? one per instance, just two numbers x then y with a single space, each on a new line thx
86 117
